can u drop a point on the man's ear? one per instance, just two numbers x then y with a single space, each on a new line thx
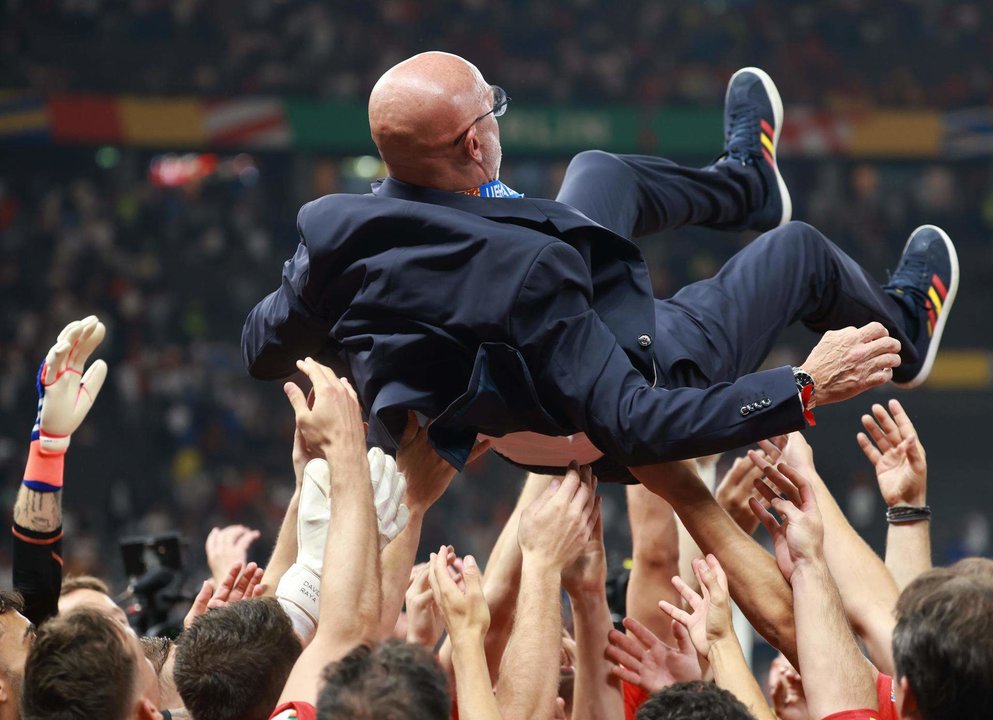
146 710
4 689
472 145
906 701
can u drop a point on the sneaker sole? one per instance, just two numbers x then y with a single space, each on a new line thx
777 116
946 307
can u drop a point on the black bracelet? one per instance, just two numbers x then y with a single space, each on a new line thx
907 514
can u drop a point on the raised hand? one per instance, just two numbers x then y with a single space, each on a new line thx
588 574
642 659
556 527
710 621
241 583
388 488
467 617
849 361
65 393
428 475
332 423
800 536
226 547
896 453
737 487
425 623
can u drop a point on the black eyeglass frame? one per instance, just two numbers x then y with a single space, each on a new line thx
500 102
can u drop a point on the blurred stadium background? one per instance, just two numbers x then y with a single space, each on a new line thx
153 154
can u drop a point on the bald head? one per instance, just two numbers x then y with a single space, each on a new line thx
416 111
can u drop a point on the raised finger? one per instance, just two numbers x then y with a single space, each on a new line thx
764 490
224 589
633 649
642 634
765 517
677 614
886 424
901 418
882 346
91 336
871 453
876 433
689 594
616 654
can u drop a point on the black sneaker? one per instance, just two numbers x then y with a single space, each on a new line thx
925 282
753 120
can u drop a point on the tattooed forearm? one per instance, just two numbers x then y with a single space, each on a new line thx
41 512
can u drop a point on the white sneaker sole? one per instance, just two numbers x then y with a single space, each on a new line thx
946 306
777 114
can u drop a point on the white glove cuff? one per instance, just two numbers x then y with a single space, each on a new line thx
303 625
50 445
301 587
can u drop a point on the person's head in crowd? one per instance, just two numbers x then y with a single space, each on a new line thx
161 652
88 591
393 680
976 566
434 120
232 662
16 636
941 647
695 700
84 665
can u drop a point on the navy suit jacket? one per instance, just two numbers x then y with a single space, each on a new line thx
494 316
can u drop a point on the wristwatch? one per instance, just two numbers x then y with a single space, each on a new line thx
805 387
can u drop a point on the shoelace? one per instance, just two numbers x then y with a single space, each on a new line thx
742 143
910 278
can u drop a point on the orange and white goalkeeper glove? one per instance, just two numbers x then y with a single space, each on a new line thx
65 396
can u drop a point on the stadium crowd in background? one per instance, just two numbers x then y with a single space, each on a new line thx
839 54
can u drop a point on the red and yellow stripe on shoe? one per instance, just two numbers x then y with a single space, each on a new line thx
768 149
936 296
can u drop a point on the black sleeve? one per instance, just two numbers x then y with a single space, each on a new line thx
38 571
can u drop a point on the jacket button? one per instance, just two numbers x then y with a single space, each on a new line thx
645 340
766 403
745 411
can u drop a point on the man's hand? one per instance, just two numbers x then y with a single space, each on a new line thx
557 526
237 585
897 454
301 453
710 621
428 476
332 423
786 691
467 617
800 537
226 547
736 488
642 659
849 361
588 574
425 623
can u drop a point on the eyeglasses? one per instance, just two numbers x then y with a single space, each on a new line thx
500 101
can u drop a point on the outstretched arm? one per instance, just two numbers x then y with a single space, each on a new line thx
836 676
712 633
597 692
901 470
867 588
753 577
65 396
553 531
350 600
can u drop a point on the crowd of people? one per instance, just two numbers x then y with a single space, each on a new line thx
343 623
922 54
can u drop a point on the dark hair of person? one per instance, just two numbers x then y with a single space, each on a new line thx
83 582
393 679
695 700
232 662
942 643
11 600
79 668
